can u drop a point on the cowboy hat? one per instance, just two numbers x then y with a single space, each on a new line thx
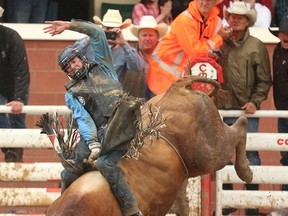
240 8
283 27
113 19
150 23
1 11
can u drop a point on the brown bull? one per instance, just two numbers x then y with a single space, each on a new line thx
195 142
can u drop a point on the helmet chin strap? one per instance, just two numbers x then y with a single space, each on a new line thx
81 73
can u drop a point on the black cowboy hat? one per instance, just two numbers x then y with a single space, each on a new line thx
283 27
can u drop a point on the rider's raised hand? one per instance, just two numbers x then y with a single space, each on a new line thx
56 27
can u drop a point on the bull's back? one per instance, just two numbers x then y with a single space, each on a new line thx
87 196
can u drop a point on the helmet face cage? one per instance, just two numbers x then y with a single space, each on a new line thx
67 55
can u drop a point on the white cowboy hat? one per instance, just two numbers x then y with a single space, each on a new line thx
150 23
240 8
113 19
1 11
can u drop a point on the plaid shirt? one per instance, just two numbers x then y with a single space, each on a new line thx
267 3
141 10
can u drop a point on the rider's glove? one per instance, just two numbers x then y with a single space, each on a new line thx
95 149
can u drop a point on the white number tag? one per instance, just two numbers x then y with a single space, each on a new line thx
204 69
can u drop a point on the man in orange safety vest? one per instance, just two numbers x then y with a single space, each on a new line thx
196 32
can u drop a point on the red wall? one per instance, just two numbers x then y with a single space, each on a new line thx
47 80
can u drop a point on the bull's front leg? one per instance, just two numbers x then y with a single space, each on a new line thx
242 164
181 204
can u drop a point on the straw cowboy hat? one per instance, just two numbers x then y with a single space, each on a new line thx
150 23
113 19
240 8
283 27
1 11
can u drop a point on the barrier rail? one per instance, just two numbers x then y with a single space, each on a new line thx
50 171
261 175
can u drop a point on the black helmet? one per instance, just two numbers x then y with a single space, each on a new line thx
67 55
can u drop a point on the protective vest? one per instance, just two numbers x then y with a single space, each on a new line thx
189 37
98 94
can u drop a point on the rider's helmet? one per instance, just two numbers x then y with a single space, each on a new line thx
67 55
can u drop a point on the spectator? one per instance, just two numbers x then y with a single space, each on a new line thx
131 64
221 6
280 76
124 56
281 10
79 9
246 70
193 34
148 33
26 11
52 10
264 15
91 95
266 3
112 23
14 84
161 12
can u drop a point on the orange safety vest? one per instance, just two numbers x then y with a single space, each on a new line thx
188 38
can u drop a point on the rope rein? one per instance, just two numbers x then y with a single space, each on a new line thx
175 149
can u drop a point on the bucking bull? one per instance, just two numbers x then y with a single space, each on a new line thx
194 142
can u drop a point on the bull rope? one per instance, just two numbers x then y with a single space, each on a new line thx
175 149
152 129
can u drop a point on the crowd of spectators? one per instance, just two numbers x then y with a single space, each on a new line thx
37 11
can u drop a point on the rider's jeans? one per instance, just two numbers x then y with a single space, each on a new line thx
108 167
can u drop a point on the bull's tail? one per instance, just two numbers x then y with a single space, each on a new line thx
51 127
45 123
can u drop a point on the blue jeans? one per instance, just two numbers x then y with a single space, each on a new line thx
253 156
27 11
52 10
107 165
81 152
12 121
